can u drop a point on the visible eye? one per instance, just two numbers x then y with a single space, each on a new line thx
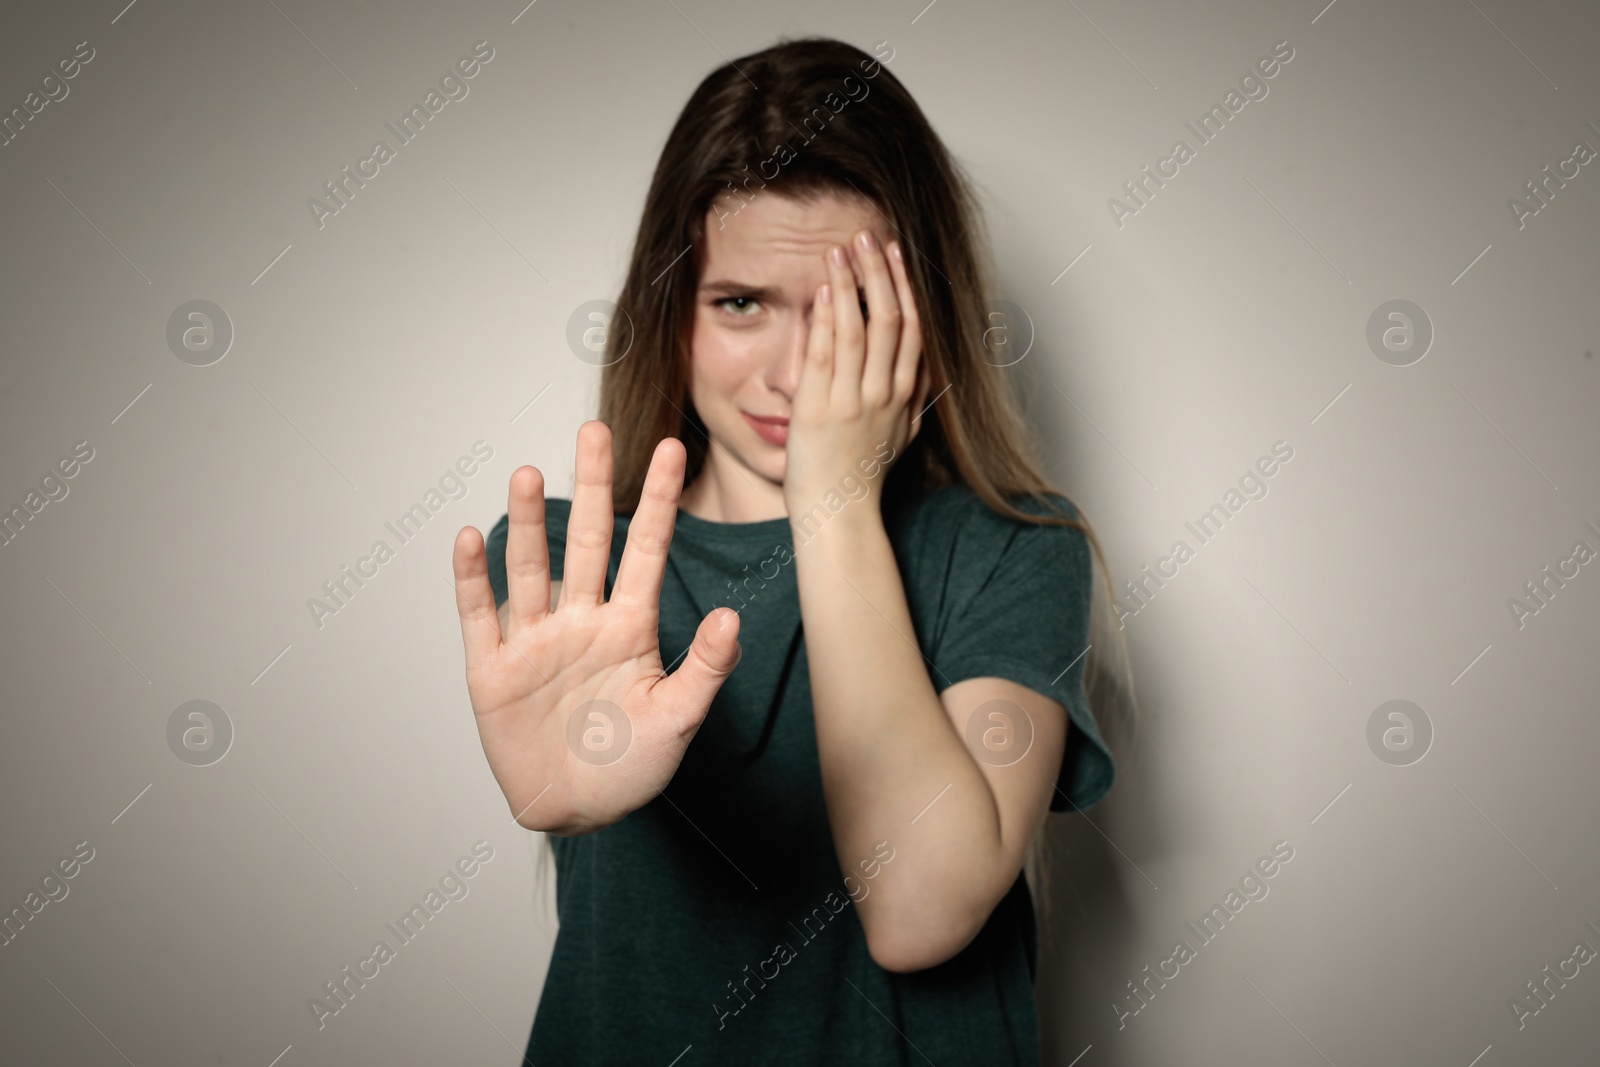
741 313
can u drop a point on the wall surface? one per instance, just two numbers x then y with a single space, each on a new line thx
1359 271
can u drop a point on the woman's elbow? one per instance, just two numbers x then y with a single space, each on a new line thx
906 951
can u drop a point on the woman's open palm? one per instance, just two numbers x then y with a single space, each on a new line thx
580 723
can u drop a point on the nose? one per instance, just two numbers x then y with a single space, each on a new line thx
783 372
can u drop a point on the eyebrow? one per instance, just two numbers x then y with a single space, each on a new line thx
726 285
767 293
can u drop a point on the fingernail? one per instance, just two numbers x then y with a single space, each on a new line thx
826 296
867 241
837 252
894 250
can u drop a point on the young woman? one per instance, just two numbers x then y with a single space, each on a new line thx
791 728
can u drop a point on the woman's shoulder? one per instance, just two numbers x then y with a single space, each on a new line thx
956 537
957 511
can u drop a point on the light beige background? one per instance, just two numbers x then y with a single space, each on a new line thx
1227 314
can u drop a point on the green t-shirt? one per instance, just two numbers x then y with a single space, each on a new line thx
714 922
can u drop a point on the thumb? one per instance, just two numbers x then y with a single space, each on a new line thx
688 691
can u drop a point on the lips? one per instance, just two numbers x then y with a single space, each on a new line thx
772 428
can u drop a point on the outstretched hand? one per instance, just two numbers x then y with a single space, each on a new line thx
580 723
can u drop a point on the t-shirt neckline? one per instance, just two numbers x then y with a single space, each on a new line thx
763 529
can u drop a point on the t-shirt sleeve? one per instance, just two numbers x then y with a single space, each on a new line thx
556 510
1017 606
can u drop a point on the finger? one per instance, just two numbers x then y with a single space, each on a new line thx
527 551
589 525
480 622
816 378
686 693
849 336
644 557
883 320
909 358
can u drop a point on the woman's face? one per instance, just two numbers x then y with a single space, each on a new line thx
752 318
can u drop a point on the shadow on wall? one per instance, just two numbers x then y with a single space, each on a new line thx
1087 900
1089 913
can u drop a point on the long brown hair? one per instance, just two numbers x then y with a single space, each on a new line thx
806 118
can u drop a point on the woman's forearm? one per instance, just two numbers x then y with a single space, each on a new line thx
894 768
